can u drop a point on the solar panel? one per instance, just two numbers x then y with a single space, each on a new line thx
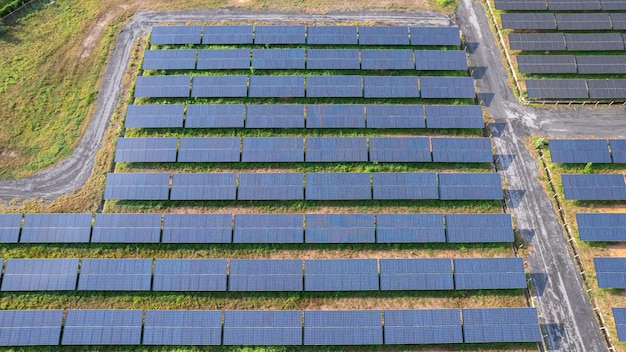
197 228
219 86
470 186
169 60
594 42
127 228
454 116
594 187
162 86
333 59
556 88
334 35
387 59
335 116
607 88
279 34
610 272
214 116
618 150
409 228
338 186
30 327
209 149
273 149
383 35
612 5
10 227
537 41
102 327
405 185
583 21
40 275
265 275
619 315
268 228
263 327
416 274
489 273
271 186
467 228
334 86
546 64
224 59
390 87
438 60
395 116
523 5
424 326
435 36
53 228
601 227
336 149
115 275
573 5
598 64
140 150
182 327
618 20
340 228
154 116
278 59
227 34
579 151
462 150
175 35
487 325
275 116
137 186
447 87
400 149
204 186
528 21
189 275
340 275
347 327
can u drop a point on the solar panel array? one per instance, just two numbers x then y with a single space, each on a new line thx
416 274
182 327
102 327
30 327
610 272
162 86
594 187
189 275
601 226
482 325
428 326
332 327
267 327
579 151
488 273
619 315
47 228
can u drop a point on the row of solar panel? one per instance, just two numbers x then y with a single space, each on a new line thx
316 59
567 41
294 86
312 35
256 228
610 272
293 115
262 275
594 187
601 226
619 314
561 5
290 186
588 150
592 64
564 21
292 149
576 88
268 327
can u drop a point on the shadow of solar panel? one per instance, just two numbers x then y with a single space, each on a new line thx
594 187
127 228
276 59
583 21
154 116
447 87
227 35
607 89
537 41
347 327
601 227
594 42
273 149
175 35
333 59
416 274
338 186
392 59
618 150
400 149
601 64
467 228
209 149
340 228
268 228
484 325
30 327
528 21
197 228
489 273
612 5
462 150
276 86
265 275
115 274
271 186
137 186
189 275
336 149
470 186
546 64
224 59
579 151
139 150
523 5
619 315
40 275
279 34
336 35
204 186
183 327
573 5
219 86
10 227
341 275
102 327
556 88
454 116
424 326
409 228
55 228
618 20
435 36
334 86
610 272
275 116
383 35
214 116
169 60
162 86
268 327
390 87
335 116
405 185
437 60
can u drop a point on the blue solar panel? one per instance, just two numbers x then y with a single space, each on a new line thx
467 228
470 186
102 327
197 228
138 150
224 59
175 35
137 186
447 87
273 149
169 60
154 116
462 150
405 185
400 149
489 273
619 314
219 86
440 60
213 186
594 187
618 150
214 116
435 36
395 116
182 327
425 326
127 228
10 227
279 34
390 87
579 151
162 86
610 272
40 275
265 275
454 116
115 275
393 59
336 149
30 327
336 186
340 228
331 35
209 149
271 186
340 275
335 116
278 59
334 86
409 228
275 116
416 274
227 35
263 327
485 325
189 275
268 228
336 328
333 59
380 35
601 227
55 228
